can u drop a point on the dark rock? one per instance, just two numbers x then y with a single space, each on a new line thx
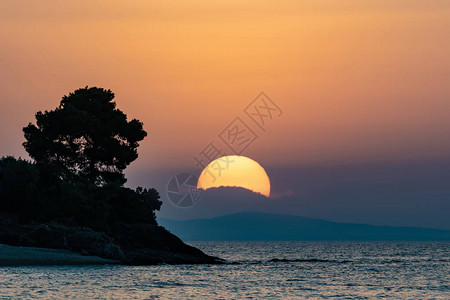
137 244
152 244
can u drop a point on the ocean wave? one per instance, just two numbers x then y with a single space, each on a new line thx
311 260
288 260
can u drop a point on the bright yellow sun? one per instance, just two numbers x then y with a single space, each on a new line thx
238 171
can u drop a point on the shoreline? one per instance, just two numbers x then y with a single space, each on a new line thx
32 256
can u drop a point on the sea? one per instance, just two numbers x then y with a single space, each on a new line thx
254 270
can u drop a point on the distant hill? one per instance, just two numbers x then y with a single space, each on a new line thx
254 226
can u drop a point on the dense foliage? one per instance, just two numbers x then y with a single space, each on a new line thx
87 135
80 151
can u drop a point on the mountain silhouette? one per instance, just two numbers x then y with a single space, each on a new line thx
254 226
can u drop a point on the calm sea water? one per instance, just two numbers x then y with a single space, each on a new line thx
301 270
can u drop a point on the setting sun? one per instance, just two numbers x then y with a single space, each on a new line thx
235 171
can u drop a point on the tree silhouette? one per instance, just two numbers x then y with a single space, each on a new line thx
80 150
85 136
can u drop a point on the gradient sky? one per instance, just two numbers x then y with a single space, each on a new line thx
359 82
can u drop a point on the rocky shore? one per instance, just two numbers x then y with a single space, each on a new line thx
134 244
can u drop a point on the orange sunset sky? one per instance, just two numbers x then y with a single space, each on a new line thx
356 80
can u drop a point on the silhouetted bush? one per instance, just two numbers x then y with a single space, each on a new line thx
26 190
18 186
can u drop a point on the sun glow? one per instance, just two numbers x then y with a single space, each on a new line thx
235 171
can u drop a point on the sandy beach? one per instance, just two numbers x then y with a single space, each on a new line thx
27 256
